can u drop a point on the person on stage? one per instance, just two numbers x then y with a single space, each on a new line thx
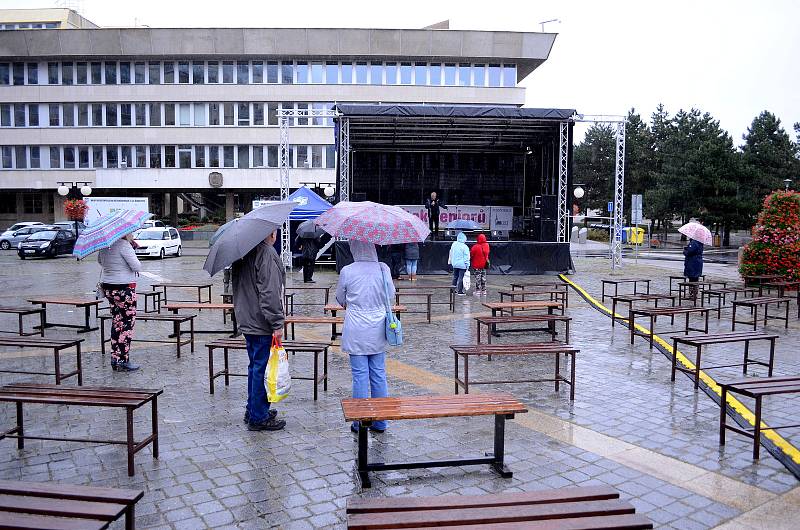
432 205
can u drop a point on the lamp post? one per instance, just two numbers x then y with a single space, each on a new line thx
74 190
787 183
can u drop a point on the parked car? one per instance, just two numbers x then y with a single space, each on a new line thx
158 242
13 228
16 237
47 243
70 225
153 224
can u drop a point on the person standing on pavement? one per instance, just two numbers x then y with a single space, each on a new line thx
310 247
258 280
479 258
459 260
433 205
118 283
693 264
411 255
363 288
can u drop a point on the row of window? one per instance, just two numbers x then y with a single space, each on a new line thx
163 156
157 114
31 25
257 72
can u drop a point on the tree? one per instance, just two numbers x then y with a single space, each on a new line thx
769 157
638 157
661 196
594 161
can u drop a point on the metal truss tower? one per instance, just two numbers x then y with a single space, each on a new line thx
563 163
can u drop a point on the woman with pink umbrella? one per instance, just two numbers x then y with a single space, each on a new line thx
698 236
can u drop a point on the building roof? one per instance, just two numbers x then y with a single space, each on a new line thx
68 18
526 50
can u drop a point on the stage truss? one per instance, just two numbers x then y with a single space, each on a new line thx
285 117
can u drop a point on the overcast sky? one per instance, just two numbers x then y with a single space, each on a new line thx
731 58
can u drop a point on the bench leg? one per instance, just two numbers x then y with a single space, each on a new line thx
316 373
572 378
499 446
746 356
674 359
176 331
757 430
325 368
697 367
130 517
78 362
363 474
227 370
130 442
558 360
102 336
154 422
20 427
722 416
210 370
466 374
57 360
455 372
42 321
478 325
771 356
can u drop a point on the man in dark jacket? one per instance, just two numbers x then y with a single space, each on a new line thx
433 204
258 280
693 264
310 247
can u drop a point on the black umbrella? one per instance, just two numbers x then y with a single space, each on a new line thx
308 230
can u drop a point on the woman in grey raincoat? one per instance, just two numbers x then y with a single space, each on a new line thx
362 290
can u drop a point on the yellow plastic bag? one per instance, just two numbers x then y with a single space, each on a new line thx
279 380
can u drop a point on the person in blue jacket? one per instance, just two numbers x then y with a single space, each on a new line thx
459 259
693 264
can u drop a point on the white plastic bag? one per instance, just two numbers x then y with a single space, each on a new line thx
279 380
467 281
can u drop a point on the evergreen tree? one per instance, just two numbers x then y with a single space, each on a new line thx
638 158
594 160
659 197
769 157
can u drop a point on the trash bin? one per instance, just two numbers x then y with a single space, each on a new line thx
636 237
717 240
626 234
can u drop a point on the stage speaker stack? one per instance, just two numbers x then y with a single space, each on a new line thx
545 216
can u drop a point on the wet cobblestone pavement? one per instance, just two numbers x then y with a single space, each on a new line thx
629 427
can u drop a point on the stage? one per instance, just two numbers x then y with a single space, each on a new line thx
506 257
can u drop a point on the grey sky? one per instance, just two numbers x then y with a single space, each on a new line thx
731 58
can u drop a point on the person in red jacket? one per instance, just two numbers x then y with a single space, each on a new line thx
479 259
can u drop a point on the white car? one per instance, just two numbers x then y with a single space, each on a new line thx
158 242
153 224
5 237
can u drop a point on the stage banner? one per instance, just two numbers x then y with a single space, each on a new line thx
479 214
502 218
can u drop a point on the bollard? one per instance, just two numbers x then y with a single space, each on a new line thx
583 233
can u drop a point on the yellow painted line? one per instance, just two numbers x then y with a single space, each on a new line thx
790 450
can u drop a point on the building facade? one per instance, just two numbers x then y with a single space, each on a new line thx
189 117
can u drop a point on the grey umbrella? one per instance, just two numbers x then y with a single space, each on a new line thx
309 230
241 235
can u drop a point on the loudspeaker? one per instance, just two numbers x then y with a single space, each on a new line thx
549 208
547 231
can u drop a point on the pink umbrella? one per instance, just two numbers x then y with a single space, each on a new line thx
697 232
372 222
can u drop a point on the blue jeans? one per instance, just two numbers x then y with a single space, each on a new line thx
411 266
258 347
458 279
369 379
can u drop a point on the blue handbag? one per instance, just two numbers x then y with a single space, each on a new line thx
394 328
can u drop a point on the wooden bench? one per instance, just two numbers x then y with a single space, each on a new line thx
553 294
685 290
698 341
316 348
722 295
680 278
177 332
154 297
335 308
288 303
427 286
631 299
756 388
225 308
782 287
85 303
492 322
616 282
533 348
201 286
428 303
754 304
326 293
531 305
552 509
22 312
759 279
366 411
653 313
48 505
292 320
57 345
128 398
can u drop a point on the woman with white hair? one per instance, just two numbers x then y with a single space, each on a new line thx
364 288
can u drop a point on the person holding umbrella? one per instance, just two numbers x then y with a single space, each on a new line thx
693 252
308 240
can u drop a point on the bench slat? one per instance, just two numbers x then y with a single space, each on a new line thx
313 320
511 319
24 521
438 406
721 338
78 302
195 305
71 491
39 341
56 507
603 522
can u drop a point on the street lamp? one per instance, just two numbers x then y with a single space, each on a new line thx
74 190
786 183
578 192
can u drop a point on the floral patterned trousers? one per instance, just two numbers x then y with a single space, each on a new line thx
479 278
123 317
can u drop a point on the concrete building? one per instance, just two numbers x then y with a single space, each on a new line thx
189 117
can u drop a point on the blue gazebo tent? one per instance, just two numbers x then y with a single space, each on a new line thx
311 205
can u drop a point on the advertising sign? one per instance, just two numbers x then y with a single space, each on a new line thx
100 206
502 218
498 218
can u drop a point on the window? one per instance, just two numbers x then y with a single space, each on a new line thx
287 73
8 202
81 73
318 120
111 73
55 115
32 203
55 157
124 73
227 156
35 157
139 72
227 71
391 73
7 154
243 156
509 75
111 115
169 113
200 156
97 156
141 114
228 114
198 73
331 73
83 115
213 156
449 74
317 73
69 115
200 115
316 156
272 156
330 156
272 114
213 72
169 72
154 69
242 72
52 73
83 157
19 115
33 115
258 156
302 107
97 115
33 74
464 71
347 73
97 73
258 71
169 156
5 115
272 72
302 157
495 74
125 160
67 76
4 74
361 73
258 114
405 73
420 74
141 156
125 114
185 116
213 113
155 114
21 157
183 72
185 156
302 72
112 156
18 70
244 114
376 73
155 156
69 158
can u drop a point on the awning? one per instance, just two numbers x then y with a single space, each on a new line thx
311 205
